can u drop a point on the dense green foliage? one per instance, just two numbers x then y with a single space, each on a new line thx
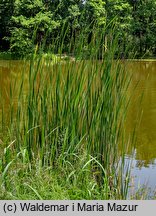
25 23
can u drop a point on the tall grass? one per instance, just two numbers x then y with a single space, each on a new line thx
65 120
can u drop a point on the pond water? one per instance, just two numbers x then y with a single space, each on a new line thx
142 114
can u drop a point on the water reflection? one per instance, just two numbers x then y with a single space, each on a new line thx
143 82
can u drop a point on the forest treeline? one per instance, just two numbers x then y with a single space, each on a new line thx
24 23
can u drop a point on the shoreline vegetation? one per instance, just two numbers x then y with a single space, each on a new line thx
62 131
48 152
62 128
42 159
10 56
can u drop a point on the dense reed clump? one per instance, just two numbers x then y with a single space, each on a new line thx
64 125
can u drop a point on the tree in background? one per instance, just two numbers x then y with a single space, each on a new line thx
119 13
69 14
25 23
143 27
31 21
6 12
94 15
